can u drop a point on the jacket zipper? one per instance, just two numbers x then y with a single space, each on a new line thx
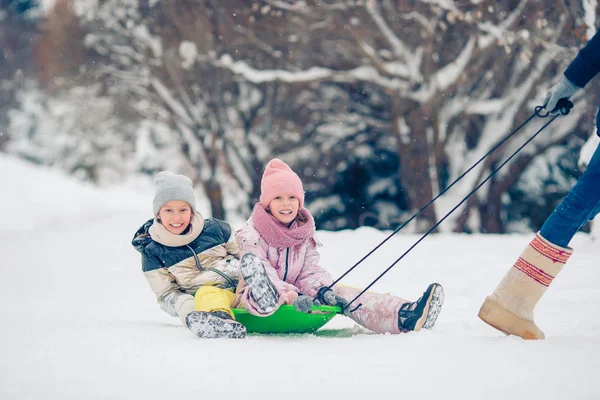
287 253
231 283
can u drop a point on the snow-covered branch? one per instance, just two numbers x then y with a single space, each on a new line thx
411 59
315 74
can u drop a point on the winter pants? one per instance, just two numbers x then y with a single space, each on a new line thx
581 204
379 311
210 298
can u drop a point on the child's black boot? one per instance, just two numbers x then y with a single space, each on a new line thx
424 312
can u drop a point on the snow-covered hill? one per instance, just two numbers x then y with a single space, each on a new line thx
79 321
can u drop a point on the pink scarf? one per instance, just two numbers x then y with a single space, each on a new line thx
278 235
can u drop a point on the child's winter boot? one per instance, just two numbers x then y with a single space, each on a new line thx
510 308
424 312
215 324
261 289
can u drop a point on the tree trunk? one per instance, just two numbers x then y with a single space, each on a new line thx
413 152
215 197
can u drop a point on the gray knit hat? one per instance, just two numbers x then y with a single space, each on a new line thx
170 186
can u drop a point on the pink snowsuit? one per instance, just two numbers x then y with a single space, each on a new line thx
291 261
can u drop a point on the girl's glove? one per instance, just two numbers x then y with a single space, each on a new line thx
303 303
326 296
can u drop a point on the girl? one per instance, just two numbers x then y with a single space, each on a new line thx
280 264
191 263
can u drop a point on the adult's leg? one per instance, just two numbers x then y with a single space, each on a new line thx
510 307
581 204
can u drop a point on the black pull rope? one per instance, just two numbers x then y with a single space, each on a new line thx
563 108
435 198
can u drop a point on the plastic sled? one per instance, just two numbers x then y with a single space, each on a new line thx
287 320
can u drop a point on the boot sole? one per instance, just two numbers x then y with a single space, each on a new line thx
435 307
498 317
431 309
208 326
260 286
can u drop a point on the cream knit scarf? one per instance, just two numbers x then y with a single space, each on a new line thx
160 234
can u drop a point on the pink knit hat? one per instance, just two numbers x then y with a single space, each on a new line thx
279 179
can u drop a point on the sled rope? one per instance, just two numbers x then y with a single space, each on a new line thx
434 199
564 107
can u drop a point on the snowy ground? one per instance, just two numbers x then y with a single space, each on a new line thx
79 321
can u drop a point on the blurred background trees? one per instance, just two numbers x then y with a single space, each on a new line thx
378 105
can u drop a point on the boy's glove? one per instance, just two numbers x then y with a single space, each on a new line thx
303 303
562 90
326 296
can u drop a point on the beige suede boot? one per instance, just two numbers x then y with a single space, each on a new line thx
510 308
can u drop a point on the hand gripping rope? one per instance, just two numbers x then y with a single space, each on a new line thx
562 108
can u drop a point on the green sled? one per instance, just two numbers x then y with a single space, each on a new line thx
287 320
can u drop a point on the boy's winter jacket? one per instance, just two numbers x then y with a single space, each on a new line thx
175 270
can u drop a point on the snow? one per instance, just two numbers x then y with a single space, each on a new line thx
47 5
362 73
589 7
142 33
188 53
256 76
486 107
80 322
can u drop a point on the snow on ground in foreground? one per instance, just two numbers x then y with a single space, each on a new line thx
80 322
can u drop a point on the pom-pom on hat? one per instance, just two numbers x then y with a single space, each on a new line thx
279 179
170 186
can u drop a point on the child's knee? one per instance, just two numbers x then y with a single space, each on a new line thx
210 298
204 290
